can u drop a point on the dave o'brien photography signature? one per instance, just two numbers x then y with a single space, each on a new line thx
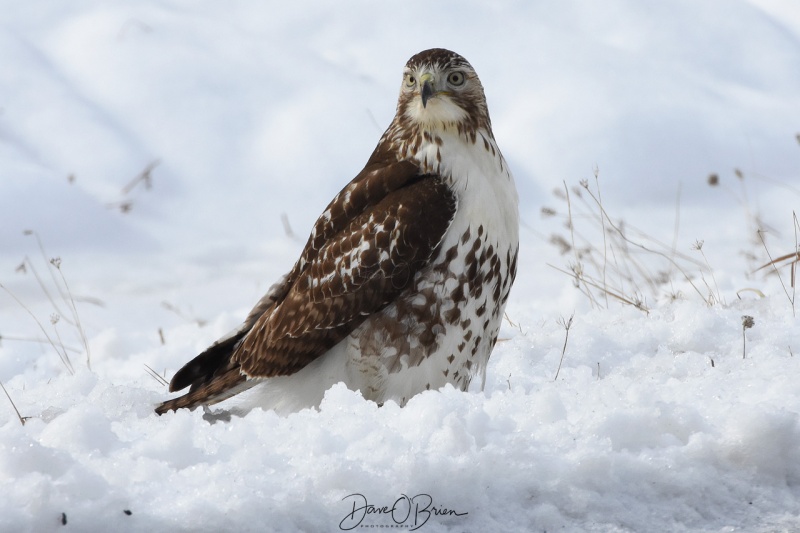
406 511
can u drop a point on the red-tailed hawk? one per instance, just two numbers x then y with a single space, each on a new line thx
402 284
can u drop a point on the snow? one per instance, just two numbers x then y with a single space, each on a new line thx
246 112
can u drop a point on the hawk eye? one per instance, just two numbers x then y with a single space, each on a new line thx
410 80
456 78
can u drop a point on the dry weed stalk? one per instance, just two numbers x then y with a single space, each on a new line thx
62 353
28 264
603 226
67 299
790 260
145 177
566 324
56 262
169 307
287 227
621 269
37 340
753 218
155 375
712 296
747 323
21 418
515 325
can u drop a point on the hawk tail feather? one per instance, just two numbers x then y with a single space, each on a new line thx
211 377
220 388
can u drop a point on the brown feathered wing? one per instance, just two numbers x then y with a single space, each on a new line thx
366 248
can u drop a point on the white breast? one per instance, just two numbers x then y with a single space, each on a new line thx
482 181
392 356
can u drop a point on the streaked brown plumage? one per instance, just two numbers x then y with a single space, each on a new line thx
399 269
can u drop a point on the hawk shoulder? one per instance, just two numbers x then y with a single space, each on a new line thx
366 248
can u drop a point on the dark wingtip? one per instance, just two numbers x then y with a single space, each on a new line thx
186 375
204 366
199 371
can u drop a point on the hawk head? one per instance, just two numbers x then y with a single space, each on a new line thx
441 90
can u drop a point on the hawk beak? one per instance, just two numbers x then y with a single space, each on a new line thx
427 88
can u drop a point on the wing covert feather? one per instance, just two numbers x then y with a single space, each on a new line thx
364 262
